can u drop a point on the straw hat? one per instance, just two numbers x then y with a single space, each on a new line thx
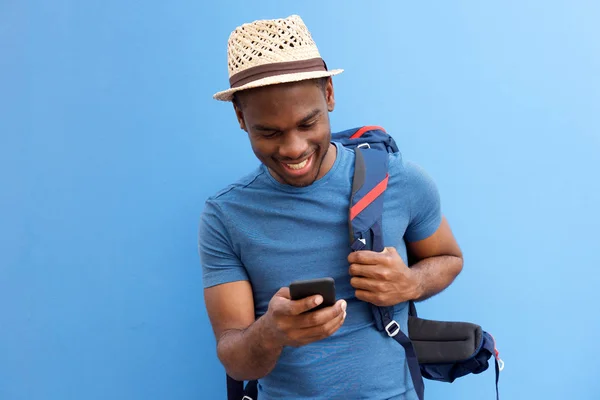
268 52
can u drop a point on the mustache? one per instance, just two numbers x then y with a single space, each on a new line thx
292 160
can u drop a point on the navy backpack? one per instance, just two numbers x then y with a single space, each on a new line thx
436 350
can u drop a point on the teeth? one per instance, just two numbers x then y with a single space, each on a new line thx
298 166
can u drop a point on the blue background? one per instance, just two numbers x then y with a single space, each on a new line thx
110 142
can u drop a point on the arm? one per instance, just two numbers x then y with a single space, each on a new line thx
433 254
250 349
384 279
437 262
244 346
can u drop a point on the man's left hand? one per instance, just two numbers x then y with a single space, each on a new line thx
382 278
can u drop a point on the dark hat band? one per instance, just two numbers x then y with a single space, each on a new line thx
281 68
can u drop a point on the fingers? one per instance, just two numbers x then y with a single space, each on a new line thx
379 272
364 257
365 263
325 330
372 257
321 317
359 270
388 256
311 334
294 327
283 305
367 284
380 299
370 297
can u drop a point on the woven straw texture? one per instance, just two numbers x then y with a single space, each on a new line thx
270 41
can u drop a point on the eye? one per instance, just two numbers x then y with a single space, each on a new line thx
307 125
269 135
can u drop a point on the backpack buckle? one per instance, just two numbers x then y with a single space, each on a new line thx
367 145
392 328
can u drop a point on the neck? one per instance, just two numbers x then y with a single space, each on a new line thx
328 161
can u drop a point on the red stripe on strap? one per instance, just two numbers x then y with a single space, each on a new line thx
364 129
369 198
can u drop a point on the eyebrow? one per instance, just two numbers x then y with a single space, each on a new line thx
304 120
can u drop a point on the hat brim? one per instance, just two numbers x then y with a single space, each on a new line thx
227 95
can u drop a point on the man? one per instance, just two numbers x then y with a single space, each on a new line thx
288 220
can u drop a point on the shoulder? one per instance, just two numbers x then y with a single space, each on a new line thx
408 172
416 185
420 191
215 206
236 188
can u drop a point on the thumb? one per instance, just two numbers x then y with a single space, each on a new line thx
299 306
283 292
283 303
389 251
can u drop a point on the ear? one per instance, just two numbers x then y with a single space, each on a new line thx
239 114
330 95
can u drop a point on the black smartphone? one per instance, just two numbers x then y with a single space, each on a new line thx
305 288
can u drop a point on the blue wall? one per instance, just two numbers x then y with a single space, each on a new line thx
110 143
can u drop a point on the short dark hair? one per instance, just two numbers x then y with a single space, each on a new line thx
321 82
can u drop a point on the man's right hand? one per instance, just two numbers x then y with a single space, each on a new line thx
291 326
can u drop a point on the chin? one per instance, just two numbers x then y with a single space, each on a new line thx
301 183
304 181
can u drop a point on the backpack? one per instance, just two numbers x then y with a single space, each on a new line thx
436 350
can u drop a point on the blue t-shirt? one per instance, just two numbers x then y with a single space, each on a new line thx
272 234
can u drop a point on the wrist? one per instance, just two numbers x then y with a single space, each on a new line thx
417 288
271 340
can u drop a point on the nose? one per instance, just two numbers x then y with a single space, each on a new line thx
293 146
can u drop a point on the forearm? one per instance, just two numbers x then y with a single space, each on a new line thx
250 353
434 274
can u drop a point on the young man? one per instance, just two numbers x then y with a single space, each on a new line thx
288 220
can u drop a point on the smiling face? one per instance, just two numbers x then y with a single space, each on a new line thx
288 127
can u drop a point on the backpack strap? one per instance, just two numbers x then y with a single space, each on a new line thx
374 137
372 145
366 233
251 391
236 390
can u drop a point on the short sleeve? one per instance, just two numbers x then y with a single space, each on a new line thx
219 262
425 208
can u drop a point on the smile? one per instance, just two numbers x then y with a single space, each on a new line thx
299 168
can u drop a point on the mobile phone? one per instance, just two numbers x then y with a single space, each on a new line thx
310 287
